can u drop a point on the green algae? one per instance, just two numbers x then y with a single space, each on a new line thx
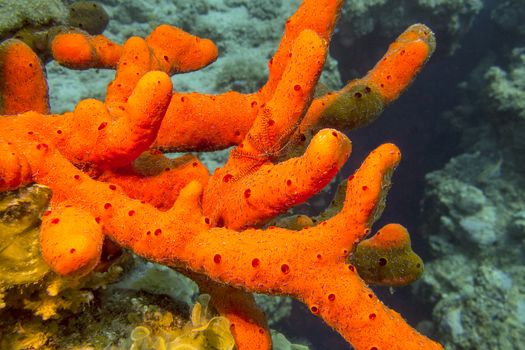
88 16
392 264
358 105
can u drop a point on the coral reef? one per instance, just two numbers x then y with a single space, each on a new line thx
14 15
507 15
474 207
210 232
474 232
121 320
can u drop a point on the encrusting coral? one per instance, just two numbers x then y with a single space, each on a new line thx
20 212
204 331
210 230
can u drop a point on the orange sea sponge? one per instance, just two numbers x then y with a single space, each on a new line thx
208 231
14 168
232 113
78 50
155 179
363 100
237 194
300 264
112 136
71 240
23 86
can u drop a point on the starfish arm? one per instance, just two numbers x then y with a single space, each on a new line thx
277 120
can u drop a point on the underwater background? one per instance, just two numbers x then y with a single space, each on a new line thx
459 188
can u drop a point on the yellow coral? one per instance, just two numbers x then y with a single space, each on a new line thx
204 332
